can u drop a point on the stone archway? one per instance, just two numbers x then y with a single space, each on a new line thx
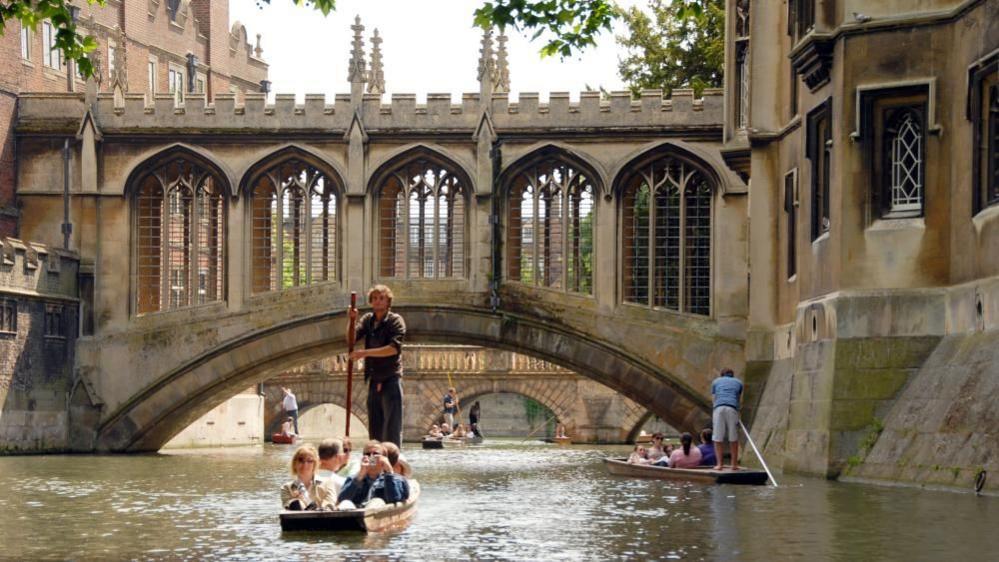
153 415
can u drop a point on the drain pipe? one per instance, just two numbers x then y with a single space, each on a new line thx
67 227
497 234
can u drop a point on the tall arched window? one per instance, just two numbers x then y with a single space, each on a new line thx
421 221
550 227
179 232
666 228
293 225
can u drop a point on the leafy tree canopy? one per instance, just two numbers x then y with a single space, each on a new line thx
569 25
681 45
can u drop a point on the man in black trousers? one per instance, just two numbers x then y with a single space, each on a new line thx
383 332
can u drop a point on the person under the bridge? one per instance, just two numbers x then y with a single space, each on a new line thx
286 427
290 405
473 419
383 332
686 455
707 448
727 393
450 405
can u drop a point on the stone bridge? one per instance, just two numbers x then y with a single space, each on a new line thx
219 242
589 410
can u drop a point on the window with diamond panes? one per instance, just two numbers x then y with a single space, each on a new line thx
550 227
422 223
179 232
294 226
903 154
666 236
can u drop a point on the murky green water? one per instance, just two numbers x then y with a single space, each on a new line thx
505 501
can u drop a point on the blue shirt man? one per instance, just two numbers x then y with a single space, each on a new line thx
727 393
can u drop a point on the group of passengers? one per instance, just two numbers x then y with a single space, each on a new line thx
328 479
444 430
684 455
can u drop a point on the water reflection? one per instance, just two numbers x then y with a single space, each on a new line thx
503 501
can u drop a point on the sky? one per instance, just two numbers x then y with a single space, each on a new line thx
429 46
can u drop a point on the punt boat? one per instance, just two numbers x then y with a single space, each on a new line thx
283 439
368 520
621 467
446 443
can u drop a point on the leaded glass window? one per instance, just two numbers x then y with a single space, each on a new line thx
294 226
904 147
666 227
550 226
179 231
422 221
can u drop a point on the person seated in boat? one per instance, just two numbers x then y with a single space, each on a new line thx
445 429
350 469
286 427
656 450
707 448
376 479
560 432
331 459
305 491
399 464
687 455
459 432
639 455
435 432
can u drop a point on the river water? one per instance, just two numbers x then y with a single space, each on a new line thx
504 500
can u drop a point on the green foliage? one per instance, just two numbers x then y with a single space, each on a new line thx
682 47
324 6
571 25
68 40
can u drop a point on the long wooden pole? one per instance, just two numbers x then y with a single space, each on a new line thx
350 362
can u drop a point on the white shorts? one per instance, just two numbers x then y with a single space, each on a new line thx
725 422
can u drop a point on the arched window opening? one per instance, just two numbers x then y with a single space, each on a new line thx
550 227
905 161
421 215
179 232
666 237
294 224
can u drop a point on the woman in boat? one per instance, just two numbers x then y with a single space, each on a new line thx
639 455
459 432
657 450
685 456
286 427
305 491
435 432
707 448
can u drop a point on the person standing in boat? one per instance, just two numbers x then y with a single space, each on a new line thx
450 406
473 418
382 332
290 405
727 393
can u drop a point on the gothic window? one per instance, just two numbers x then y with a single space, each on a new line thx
894 123
666 227
293 226
550 227
791 216
8 316
819 152
742 83
983 111
179 232
421 216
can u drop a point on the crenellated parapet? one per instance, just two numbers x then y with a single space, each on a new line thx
650 111
33 269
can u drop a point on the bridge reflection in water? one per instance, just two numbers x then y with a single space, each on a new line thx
504 500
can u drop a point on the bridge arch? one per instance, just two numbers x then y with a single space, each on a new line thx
156 413
558 398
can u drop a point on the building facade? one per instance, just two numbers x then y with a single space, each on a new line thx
151 47
869 132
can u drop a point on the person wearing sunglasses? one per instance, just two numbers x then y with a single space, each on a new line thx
305 491
375 479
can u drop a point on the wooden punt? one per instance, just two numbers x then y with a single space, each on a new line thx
372 520
283 439
563 440
443 443
621 467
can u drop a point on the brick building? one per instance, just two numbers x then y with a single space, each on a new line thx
145 46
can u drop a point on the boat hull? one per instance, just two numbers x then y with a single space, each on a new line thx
442 443
358 520
621 467
283 439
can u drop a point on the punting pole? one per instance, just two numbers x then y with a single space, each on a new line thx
757 451
543 424
350 362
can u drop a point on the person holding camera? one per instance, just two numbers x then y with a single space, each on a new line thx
376 479
305 491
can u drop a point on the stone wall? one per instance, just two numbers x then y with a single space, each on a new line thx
37 348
